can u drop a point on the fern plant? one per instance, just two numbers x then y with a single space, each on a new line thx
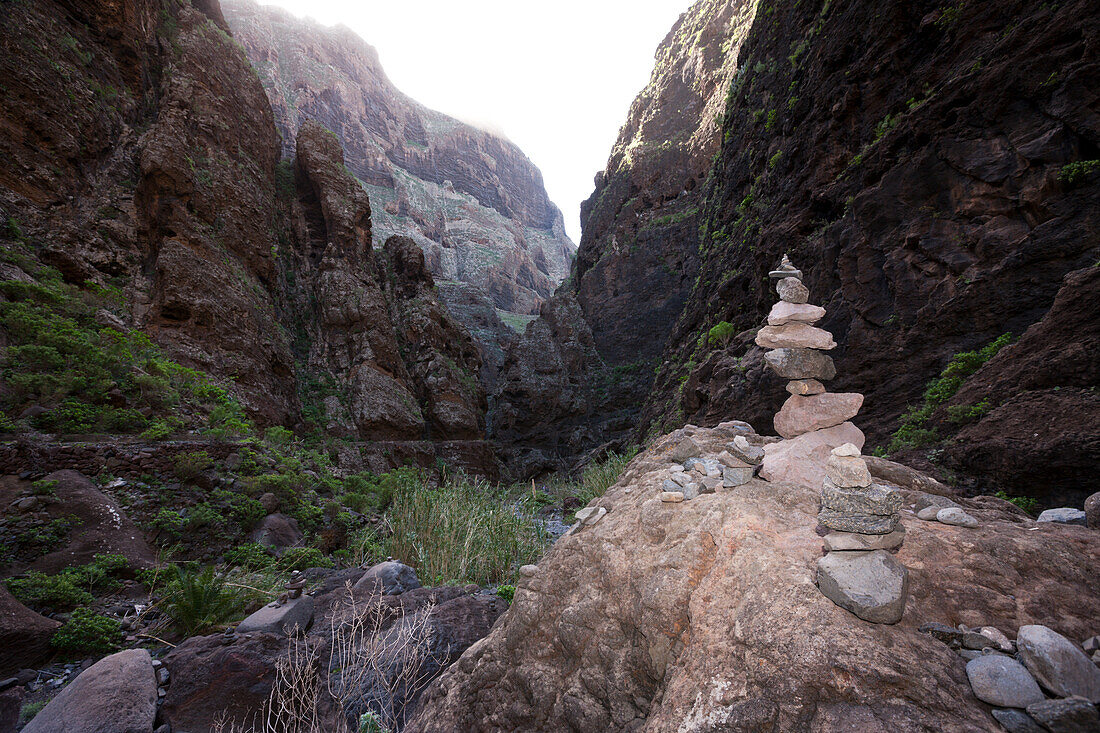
201 600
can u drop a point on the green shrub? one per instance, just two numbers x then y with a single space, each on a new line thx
278 436
1027 503
31 709
1074 174
251 555
912 431
302 558
507 592
189 466
86 631
40 591
168 521
460 532
200 600
721 333
44 487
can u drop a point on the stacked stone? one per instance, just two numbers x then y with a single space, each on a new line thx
857 573
798 354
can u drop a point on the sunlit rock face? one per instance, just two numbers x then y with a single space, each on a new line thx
472 200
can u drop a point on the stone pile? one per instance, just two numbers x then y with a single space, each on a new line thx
697 476
858 573
1016 677
812 421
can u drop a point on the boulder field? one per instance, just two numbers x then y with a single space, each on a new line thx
703 615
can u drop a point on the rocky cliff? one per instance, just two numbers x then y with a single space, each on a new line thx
142 164
470 199
936 184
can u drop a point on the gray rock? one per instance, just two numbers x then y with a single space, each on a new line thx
1016 721
923 500
117 694
858 523
1057 663
278 531
276 618
736 475
690 491
680 478
592 514
792 290
956 517
683 448
1064 515
669 485
1002 681
872 585
955 638
929 513
737 426
874 499
389 577
746 451
969 654
1091 644
1092 511
528 571
996 637
846 541
1072 715
801 364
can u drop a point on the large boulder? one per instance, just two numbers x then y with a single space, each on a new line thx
704 616
101 526
278 531
1057 663
117 694
802 460
389 578
219 675
280 618
24 634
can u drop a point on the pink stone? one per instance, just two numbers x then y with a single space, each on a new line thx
783 313
805 386
795 336
802 414
802 460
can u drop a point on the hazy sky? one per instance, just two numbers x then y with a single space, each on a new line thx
557 78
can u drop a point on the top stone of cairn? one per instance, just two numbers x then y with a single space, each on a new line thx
785 269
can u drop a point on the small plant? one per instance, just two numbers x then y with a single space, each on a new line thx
301 558
31 709
278 436
251 555
721 333
189 466
1027 503
1074 174
86 631
507 592
40 591
44 487
200 600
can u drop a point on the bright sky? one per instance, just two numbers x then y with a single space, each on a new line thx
557 78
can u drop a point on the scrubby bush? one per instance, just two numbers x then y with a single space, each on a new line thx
721 333
86 631
251 555
69 588
189 466
507 592
1027 503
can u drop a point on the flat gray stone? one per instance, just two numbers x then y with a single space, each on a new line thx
389 577
858 523
801 364
956 517
1072 715
1057 663
1002 681
924 500
736 475
709 485
117 694
1016 721
1064 515
691 491
847 541
280 619
872 585
874 499
746 451
592 514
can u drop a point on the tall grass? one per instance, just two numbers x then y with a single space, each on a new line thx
461 532
596 478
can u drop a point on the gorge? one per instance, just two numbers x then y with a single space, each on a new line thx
280 344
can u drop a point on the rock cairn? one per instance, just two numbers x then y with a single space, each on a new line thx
858 573
811 420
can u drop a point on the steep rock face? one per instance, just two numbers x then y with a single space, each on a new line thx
637 260
470 199
140 150
912 159
404 369
704 616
